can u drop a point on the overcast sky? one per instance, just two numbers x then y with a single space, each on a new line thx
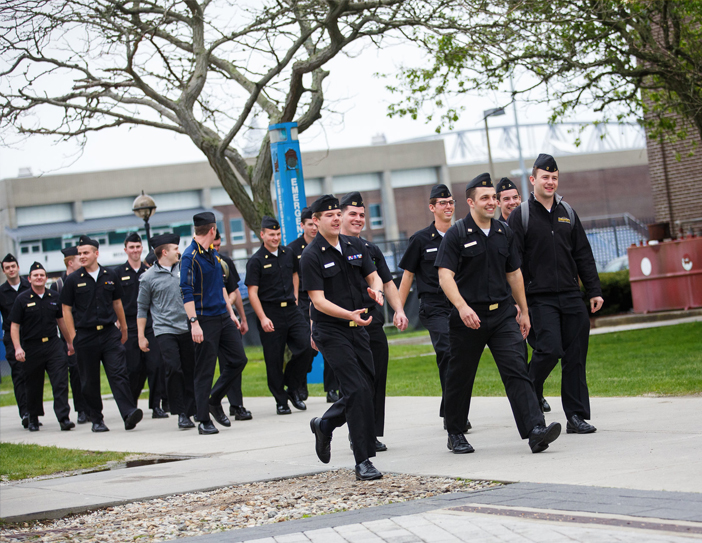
351 89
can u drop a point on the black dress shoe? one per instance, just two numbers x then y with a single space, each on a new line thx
366 471
322 442
207 428
82 417
545 408
239 412
294 396
467 427
66 424
303 392
576 425
33 424
380 447
541 436
459 444
332 396
100 427
158 413
283 409
218 413
184 422
133 419
25 420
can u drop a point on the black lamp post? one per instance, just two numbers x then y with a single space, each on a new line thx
143 207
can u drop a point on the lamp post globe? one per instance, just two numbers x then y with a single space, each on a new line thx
144 207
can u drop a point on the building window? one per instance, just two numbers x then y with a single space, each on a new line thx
184 230
116 238
222 233
254 237
30 247
101 238
51 244
376 216
236 229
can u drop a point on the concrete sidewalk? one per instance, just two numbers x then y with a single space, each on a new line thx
641 443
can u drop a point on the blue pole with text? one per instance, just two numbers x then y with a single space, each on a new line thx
290 196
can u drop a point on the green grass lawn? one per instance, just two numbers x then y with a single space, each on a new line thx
22 461
664 360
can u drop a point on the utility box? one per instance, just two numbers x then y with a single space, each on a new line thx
666 275
288 177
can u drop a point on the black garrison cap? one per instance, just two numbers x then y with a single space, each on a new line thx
324 203
546 162
352 199
204 218
440 191
85 240
151 259
35 266
482 181
165 239
9 257
70 251
305 214
270 223
505 184
134 237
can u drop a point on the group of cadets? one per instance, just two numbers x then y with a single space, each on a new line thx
481 281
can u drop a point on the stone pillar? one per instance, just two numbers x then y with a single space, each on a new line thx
78 211
328 185
206 198
392 230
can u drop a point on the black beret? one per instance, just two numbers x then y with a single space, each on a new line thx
151 257
305 214
35 266
270 223
352 199
206 217
482 181
9 258
505 184
70 251
440 191
85 240
546 162
324 203
165 239
134 237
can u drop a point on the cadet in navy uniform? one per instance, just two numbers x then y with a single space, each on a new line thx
272 279
9 291
353 220
479 272
92 303
555 252
140 365
508 199
70 260
231 283
215 328
336 271
309 231
34 317
418 260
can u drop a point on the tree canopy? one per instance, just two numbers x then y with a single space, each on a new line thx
199 68
620 58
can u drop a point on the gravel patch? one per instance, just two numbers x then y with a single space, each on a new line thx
241 506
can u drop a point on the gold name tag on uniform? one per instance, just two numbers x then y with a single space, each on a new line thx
471 244
267 266
125 278
32 304
81 284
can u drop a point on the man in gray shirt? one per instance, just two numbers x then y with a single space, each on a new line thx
159 293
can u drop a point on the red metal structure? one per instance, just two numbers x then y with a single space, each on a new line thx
667 275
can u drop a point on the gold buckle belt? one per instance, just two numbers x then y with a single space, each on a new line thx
44 339
493 307
283 304
99 327
353 324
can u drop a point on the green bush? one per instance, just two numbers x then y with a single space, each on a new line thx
616 291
